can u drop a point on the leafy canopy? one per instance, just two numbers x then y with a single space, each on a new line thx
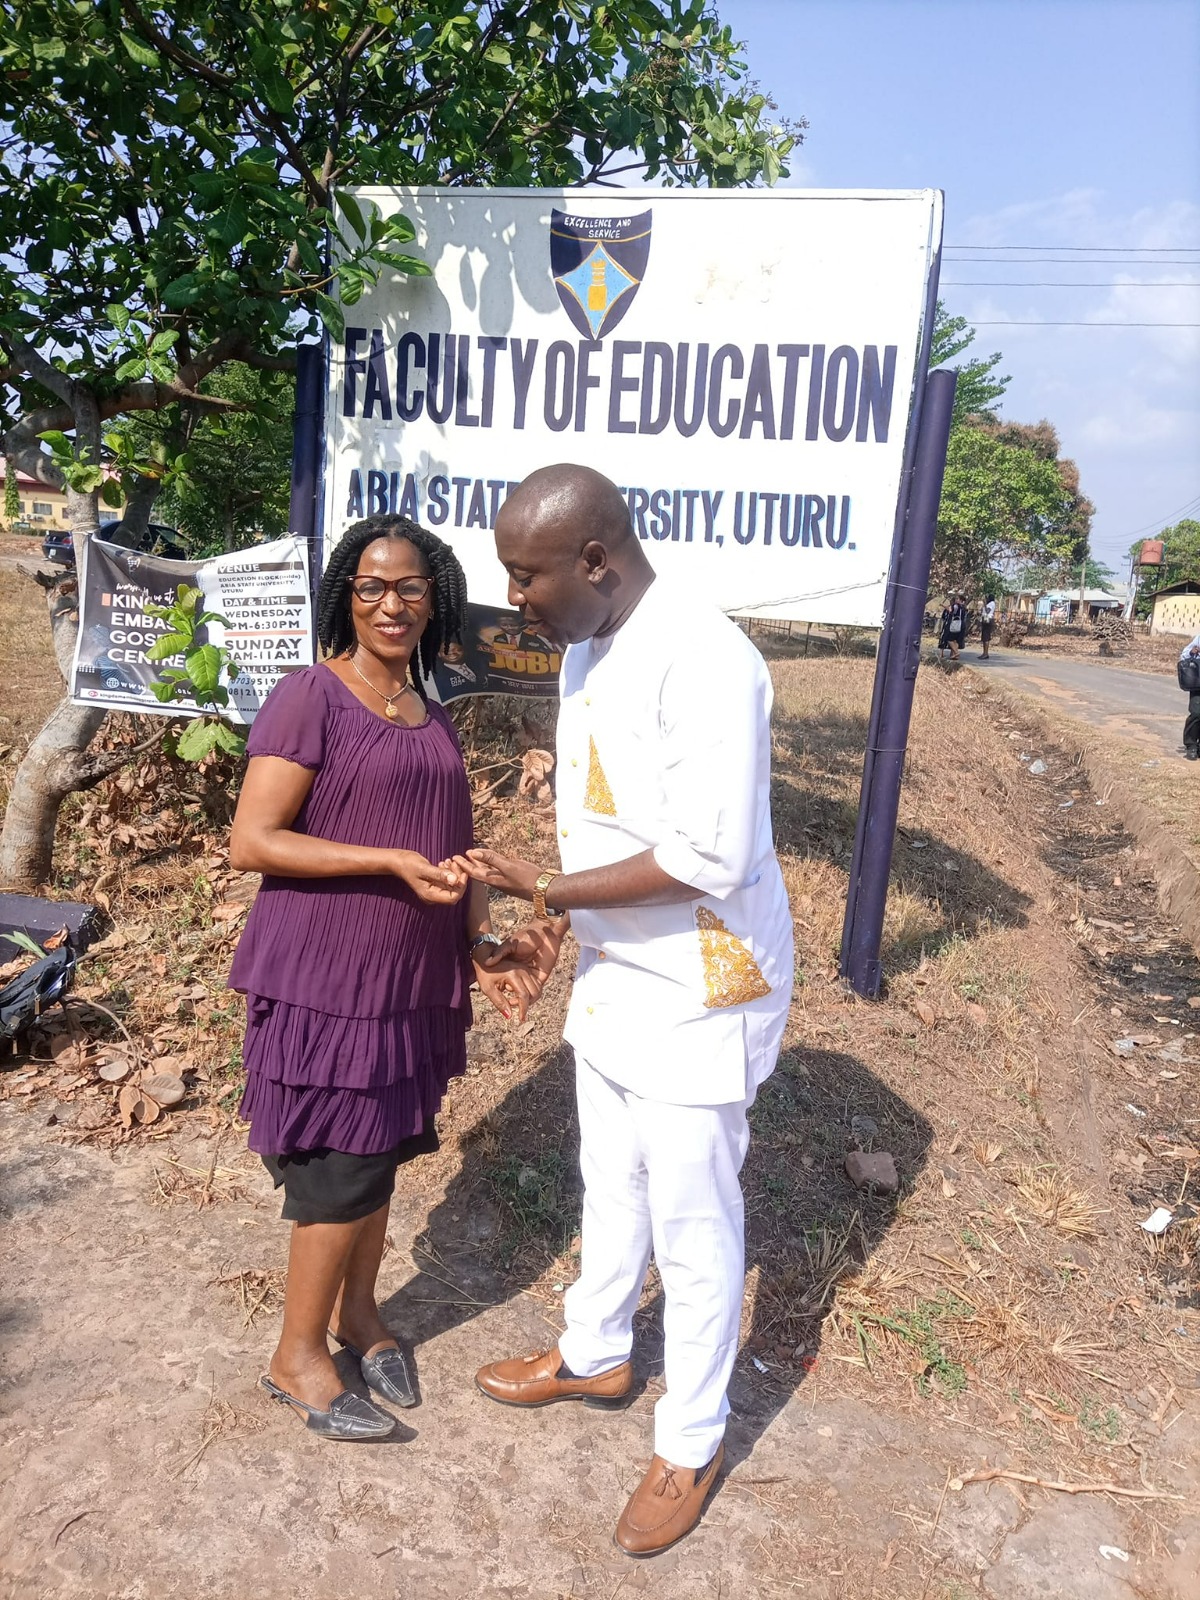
1007 497
979 385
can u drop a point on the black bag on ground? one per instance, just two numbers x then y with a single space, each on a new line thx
25 998
1189 674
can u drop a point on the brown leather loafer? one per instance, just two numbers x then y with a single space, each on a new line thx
537 1380
665 1505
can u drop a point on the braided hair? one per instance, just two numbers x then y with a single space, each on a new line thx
448 619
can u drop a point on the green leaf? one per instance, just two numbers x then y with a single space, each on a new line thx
182 292
58 442
331 315
278 92
23 942
231 739
500 54
204 669
135 367
39 257
118 316
171 644
165 692
110 492
353 213
163 341
197 739
139 52
412 265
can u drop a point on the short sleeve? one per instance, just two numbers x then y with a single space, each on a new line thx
292 721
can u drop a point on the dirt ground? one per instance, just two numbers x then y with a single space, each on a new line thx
916 1370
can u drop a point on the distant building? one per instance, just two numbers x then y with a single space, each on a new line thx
1176 609
1062 605
42 508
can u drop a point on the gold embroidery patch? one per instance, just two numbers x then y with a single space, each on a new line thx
597 796
731 974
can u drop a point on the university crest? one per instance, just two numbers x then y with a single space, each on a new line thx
598 265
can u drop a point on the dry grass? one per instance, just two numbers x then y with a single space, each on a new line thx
253 1290
34 685
1055 1201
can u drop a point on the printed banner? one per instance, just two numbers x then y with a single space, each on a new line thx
262 593
498 656
740 362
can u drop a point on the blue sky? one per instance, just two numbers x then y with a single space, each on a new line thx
1051 123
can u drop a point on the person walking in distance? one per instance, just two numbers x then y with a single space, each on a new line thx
1189 679
671 885
987 621
956 628
944 629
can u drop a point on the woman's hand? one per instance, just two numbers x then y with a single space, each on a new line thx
507 983
505 873
537 945
443 885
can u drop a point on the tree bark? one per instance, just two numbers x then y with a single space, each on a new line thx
54 766
139 503
56 763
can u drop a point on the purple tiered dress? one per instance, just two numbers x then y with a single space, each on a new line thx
357 994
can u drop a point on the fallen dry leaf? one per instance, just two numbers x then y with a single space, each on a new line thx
977 1014
113 1071
164 1087
925 1013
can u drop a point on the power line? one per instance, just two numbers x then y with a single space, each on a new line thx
1086 249
1159 522
1065 261
1018 322
1059 283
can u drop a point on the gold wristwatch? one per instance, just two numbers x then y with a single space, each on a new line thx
539 894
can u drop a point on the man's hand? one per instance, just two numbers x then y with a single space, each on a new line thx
537 944
505 873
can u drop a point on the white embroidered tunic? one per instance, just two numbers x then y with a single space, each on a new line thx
664 743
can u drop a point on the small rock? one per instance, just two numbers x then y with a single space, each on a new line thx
864 1128
872 1171
1037 768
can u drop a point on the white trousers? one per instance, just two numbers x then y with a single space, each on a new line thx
661 1177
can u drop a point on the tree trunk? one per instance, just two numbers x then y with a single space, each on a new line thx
56 763
135 518
54 766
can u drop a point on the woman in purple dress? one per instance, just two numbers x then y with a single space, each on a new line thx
360 950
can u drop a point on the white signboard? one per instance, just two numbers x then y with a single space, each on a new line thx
740 362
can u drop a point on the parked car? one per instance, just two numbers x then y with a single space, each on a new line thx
158 540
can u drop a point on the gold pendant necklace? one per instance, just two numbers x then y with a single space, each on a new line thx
389 708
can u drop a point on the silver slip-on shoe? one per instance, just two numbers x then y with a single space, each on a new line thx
348 1417
386 1372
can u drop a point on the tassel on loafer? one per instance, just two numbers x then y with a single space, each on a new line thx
348 1417
386 1372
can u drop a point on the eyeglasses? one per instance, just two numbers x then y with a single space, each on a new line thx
372 590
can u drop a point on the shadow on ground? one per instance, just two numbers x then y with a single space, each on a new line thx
513 1211
813 760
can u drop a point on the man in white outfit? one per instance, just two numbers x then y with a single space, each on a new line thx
671 885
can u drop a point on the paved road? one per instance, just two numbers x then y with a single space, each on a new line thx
1138 707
